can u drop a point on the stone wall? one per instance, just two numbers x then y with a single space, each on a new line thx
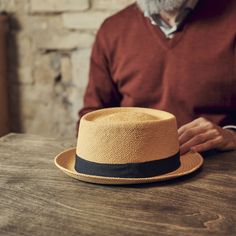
49 48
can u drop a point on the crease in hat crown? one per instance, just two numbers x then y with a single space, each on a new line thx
126 116
127 135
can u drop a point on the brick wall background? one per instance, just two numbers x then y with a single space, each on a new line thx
49 49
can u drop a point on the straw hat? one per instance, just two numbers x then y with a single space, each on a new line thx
127 146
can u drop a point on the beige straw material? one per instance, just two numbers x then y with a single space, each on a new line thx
123 136
127 135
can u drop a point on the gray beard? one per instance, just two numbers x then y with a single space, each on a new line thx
156 6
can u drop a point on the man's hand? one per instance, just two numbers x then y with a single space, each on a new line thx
202 135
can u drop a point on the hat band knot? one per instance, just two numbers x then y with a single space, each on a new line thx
129 170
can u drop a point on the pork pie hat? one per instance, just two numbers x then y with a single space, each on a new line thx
127 146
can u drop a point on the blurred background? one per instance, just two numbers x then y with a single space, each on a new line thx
45 47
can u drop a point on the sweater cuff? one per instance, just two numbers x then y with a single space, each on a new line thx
232 127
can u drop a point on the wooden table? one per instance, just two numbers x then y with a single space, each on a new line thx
38 199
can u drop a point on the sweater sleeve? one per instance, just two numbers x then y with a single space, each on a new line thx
230 126
101 91
233 126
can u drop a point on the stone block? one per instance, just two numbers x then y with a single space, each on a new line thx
44 72
84 21
80 75
80 67
111 4
62 40
25 75
66 69
58 5
7 5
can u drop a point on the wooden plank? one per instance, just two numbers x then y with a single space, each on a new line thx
37 199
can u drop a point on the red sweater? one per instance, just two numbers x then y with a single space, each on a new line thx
192 75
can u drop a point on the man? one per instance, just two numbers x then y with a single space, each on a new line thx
173 55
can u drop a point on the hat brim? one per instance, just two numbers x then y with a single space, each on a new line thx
65 161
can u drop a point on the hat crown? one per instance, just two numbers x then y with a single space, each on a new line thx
126 116
127 135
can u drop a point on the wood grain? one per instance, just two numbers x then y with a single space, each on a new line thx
37 199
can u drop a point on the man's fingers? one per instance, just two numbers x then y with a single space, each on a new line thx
190 133
200 135
208 145
186 127
198 140
194 123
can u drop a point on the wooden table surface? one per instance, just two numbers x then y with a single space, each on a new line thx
36 198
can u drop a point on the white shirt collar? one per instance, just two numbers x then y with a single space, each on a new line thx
168 30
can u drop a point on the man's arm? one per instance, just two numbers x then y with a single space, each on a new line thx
202 135
101 91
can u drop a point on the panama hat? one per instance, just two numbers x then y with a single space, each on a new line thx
127 146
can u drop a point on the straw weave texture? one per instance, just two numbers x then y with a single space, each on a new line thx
127 135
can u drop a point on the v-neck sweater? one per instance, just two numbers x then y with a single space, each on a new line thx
191 75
